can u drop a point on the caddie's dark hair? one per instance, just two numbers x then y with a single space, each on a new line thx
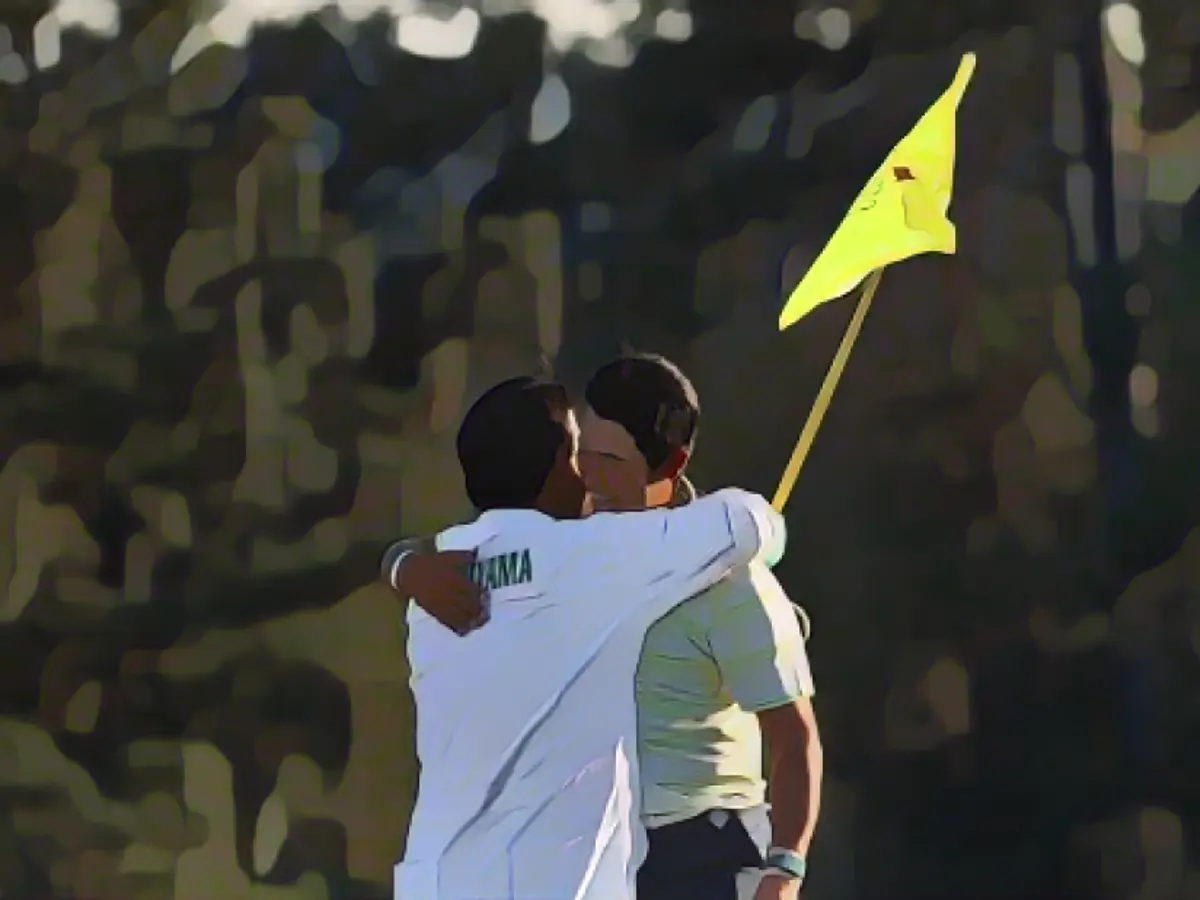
509 440
651 399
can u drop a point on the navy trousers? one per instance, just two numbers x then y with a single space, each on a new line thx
699 858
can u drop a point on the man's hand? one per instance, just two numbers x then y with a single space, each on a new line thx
777 887
439 583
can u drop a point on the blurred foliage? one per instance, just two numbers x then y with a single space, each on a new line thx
244 300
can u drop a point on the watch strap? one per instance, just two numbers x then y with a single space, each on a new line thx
788 862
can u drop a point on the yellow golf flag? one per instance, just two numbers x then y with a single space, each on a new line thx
900 213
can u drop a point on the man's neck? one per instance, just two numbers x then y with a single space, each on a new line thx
682 494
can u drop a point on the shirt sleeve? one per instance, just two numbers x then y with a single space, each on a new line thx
661 557
708 538
756 639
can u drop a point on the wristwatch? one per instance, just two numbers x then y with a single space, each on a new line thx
397 553
786 862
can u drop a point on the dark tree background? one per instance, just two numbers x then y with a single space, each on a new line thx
244 300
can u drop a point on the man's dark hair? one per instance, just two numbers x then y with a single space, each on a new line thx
651 399
509 440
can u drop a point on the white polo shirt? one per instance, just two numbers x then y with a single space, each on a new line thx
527 729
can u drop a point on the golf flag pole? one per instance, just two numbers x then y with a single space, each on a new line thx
900 213
820 406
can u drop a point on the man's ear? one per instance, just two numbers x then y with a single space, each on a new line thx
675 464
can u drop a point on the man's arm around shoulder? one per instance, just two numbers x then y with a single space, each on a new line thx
696 545
700 543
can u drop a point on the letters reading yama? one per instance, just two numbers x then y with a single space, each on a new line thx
494 572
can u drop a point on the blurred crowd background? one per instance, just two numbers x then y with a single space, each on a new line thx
258 256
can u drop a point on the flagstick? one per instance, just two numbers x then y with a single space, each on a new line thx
825 395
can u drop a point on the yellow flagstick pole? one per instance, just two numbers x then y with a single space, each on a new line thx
820 406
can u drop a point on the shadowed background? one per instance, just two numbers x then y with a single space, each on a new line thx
252 276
